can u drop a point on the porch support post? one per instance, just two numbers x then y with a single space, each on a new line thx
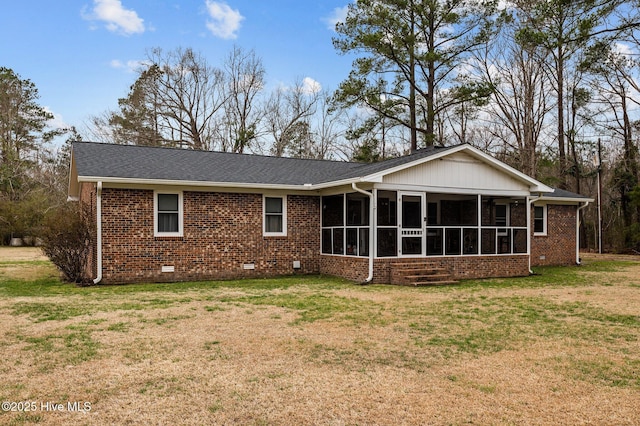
372 200
479 208
529 203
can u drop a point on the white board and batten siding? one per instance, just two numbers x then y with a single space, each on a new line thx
458 172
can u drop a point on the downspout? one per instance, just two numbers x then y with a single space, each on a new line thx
371 230
529 230
98 233
586 203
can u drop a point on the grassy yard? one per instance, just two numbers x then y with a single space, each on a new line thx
560 347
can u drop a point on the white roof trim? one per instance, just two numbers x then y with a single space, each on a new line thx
558 200
169 182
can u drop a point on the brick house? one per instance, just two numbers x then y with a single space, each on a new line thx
173 215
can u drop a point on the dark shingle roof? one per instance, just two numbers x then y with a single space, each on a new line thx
138 162
561 193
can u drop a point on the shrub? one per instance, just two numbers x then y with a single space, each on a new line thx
67 239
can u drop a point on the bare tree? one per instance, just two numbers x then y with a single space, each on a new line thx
287 107
189 93
327 126
520 101
244 81
615 84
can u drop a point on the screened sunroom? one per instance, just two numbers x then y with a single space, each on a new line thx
419 224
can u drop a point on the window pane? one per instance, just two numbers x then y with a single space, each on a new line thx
538 226
273 223
488 241
332 210
470 243
519 240
357 209
411 212
352 241
538 212
434 242
452 241
364 242
327 245
411 245
273 205
387 213
504 242
387 242
168 222
168 202
338 241
538 221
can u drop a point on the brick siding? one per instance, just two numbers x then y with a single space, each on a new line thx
222 233
460 267
558 247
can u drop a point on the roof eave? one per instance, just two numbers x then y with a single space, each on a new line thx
185 183
568 200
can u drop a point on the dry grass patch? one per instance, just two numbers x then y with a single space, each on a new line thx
557 348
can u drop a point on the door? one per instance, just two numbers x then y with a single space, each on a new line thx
412 217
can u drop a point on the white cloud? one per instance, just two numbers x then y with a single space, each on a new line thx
623 49
225 22
57 122
310 86
339 14
129 66
116 17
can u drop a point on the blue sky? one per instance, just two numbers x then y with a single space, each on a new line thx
80 53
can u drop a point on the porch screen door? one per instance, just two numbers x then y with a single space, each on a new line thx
412 213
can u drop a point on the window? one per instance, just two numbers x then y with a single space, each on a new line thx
387 232
275 216
168 214
502 218
345 224
540 220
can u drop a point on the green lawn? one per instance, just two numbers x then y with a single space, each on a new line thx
320 350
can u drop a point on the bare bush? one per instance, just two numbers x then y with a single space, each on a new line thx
67 239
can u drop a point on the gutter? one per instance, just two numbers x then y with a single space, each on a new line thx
529 230
99 232
586 203
371 229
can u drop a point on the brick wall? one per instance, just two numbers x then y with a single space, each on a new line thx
558 247
460 267
222 233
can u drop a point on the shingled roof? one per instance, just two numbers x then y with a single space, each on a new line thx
170 164
93 161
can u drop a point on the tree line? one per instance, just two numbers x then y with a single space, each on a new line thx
537 84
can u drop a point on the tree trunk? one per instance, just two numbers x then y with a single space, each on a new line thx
562 159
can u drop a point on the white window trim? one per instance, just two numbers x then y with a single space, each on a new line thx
264 216
544 220
180 232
